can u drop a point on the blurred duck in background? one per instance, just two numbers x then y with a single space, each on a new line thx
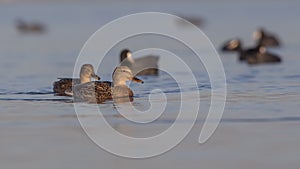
263 56
147 65
264 38
198 21
256 55
25 27
236 45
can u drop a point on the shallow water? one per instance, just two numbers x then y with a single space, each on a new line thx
259 128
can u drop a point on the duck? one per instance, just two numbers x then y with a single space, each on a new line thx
255 55
33 27
147 65
263 56
236 45
195 20
63 84
99 92
265 38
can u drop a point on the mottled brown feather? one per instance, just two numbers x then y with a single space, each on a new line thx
121 91
60 86
93 92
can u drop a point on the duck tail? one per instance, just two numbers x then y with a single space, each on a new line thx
69 92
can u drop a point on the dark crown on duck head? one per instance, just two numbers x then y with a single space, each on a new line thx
261 30
123 54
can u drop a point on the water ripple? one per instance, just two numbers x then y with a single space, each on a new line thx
261 120
38 100
26 93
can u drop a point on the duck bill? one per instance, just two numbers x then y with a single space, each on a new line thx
224 48
96 77
135 79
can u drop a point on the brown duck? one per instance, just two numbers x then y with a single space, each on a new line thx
98 92
86 73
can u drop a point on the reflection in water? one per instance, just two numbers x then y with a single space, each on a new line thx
255 93
122 100
261 120
38 100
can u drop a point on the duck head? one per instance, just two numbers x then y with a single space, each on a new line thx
86 73
232 45
126 54
122 74
258 34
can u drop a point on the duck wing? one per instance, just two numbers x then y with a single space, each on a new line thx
122 92
92 92
269 58
261 58
63 84
270 41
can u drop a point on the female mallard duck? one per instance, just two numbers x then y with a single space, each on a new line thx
98 92
265 39
86 73
147 65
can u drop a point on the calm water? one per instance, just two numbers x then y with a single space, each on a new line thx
260 124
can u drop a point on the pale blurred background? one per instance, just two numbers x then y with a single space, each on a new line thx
261 119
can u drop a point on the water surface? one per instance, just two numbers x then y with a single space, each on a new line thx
259 128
